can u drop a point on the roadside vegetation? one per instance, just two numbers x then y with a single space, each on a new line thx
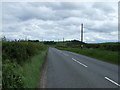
103 51
21 63
22 60
0 64
31 70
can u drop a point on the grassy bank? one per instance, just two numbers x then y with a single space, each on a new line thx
104 55
31 70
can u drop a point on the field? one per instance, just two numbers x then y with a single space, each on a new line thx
107 52
104 55
21 61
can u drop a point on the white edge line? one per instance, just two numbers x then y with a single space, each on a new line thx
112 81
80 63
65 54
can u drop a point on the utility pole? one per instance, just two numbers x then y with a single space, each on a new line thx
42 39
81 36
25 38
81 33
63 41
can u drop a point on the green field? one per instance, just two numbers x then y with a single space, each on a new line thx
108 52
104 55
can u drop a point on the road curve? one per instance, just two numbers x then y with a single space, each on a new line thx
71 70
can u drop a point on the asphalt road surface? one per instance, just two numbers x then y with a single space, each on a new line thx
71 70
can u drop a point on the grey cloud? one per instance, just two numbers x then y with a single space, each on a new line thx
53 21
60 5
25 11
71 6
106 7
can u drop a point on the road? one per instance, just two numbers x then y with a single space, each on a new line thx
71 70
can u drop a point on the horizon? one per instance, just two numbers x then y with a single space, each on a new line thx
61 40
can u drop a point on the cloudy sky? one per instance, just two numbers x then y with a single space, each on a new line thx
55 20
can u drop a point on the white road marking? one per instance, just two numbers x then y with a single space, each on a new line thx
73 53
79 62
65 54
112 81
60 52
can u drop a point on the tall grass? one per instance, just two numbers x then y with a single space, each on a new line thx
104 55
31 70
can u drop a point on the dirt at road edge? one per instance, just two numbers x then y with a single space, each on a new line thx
43 75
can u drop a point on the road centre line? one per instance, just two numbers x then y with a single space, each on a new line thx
79 62
112 81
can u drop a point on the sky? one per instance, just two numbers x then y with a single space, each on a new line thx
55 20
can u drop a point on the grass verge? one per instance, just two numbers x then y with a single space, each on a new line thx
31 70
104 55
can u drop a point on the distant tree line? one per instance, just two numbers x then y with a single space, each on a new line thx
75 42
49 42
33 40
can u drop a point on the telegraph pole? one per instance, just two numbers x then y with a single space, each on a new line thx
63 41
25 38
81 33
81 36
42 39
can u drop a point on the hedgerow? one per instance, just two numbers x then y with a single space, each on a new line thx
15 54
20 51
112 47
